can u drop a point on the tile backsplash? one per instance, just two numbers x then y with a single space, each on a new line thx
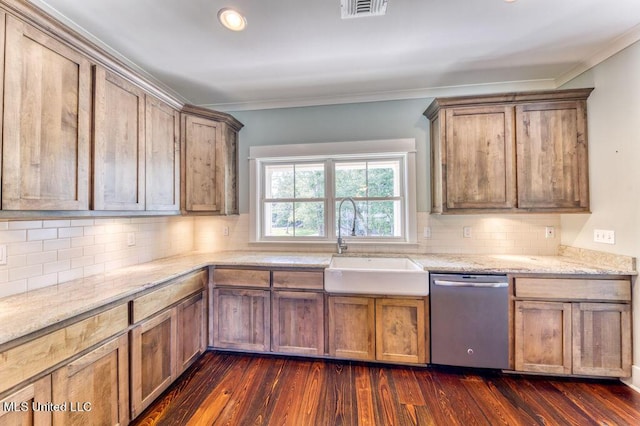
47 252
490 234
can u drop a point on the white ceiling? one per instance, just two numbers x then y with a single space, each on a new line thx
300 52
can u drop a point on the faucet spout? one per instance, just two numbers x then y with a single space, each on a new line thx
341 244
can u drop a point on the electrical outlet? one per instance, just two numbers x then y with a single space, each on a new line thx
3 254
131 239
549 232
426 232
225 231
466 231
605 236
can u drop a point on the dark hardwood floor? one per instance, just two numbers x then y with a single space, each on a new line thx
232 389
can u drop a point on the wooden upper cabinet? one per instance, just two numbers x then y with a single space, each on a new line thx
513 152
46 122
203 146
119 143
162 156
479 158
210 157
552 155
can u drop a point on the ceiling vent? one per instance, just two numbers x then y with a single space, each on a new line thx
362 8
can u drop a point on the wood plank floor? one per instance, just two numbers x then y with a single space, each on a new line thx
234 389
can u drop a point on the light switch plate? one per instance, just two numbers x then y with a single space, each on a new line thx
3 254
131 239
605 236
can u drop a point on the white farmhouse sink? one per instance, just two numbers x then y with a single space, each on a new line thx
376 275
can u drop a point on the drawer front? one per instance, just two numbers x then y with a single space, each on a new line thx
241 278
313 280
573 289
176 290
27 360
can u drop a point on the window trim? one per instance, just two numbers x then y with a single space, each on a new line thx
330 152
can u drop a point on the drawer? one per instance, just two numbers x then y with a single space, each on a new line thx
313 280
573 289
29 359
241 277
176 290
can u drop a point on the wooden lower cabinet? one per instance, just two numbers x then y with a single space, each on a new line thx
95 387
297 324
378 328
592 339
543 337
17 408
352 327
192 330
602 339
401 330
153 359
169 334
241 319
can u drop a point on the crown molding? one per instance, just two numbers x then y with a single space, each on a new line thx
617 45
431 92
48 19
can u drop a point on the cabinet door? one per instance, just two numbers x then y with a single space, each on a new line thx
400 330
119 163
479 159
162 156
543 337
602 339
351 327
241 319
153 359
192 329
95 387
17 408
230 188
298 322
46 127
202 172
552 156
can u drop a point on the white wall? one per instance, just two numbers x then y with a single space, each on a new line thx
614 166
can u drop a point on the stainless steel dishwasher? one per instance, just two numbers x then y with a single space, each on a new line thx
469 320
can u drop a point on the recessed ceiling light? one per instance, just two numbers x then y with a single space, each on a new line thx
232 19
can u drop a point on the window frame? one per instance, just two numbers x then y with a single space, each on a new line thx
330 153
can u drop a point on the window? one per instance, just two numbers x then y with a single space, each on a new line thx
296 197
294 201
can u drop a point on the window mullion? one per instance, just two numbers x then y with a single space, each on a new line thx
329 191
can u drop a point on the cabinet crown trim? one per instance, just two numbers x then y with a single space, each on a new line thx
213 115
506 98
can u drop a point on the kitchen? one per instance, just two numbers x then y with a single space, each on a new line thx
47 251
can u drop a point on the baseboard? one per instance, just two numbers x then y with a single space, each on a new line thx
634 381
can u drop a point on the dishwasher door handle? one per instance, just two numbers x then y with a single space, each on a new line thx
444 283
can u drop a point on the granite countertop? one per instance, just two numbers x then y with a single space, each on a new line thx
23 314
515 264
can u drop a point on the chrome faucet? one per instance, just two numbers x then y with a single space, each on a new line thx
341 244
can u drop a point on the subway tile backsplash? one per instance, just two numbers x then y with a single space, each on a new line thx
47 252
490 234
